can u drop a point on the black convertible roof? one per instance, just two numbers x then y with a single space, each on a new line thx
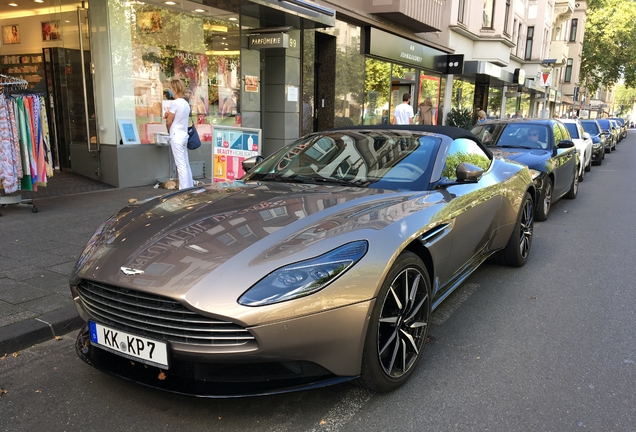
450 131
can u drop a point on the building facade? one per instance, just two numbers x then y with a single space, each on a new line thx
275 70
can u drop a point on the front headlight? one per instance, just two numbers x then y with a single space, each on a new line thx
534 173
303 278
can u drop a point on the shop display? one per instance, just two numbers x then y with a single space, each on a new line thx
22 66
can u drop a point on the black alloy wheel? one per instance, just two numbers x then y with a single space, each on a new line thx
399 325
518 248
545 201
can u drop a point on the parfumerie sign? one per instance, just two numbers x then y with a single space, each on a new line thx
271 40
386 45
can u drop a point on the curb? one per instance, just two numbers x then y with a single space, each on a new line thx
23 334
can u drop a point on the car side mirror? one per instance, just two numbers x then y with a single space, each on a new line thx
565 144
466 172
249 163
586 135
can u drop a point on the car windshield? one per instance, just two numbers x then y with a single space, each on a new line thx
519 135
605 124
364 158
574 131
590 127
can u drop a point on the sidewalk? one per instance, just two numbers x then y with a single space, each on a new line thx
37 254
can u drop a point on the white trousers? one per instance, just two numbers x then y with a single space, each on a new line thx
180 154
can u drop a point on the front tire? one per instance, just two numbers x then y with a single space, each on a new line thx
545 201
398 327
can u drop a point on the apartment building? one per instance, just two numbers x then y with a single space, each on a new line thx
260 73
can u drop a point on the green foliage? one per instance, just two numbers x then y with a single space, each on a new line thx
463 94
625 97
453 161
609 47
459 117
378 75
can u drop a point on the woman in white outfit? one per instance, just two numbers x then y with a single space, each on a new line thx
177 123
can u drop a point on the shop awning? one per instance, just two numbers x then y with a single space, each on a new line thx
567 100
496 74
302 14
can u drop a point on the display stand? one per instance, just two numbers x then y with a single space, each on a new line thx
7 84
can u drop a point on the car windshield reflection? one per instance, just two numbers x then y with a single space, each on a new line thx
361 158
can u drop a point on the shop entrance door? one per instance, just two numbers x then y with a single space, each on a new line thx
73 121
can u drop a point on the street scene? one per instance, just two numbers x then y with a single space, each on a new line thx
317 215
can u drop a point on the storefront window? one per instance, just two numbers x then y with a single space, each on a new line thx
511 106
159 43
494 102
403 80
429 88
377 91
463 94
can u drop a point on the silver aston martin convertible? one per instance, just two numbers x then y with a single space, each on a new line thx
323 264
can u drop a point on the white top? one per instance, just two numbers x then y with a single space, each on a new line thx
181 110
403 114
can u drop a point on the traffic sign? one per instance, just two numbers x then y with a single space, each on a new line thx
545 77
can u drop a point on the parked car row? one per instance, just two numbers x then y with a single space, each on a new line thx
324 263
558 152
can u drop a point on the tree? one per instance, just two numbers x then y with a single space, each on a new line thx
625 98
609 47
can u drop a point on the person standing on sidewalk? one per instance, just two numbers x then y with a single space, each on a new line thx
403 113
177 123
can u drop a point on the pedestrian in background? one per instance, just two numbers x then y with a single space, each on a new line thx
481 116
403 113
177 123
425 112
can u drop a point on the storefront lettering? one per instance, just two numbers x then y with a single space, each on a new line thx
267 41
410 56
188 56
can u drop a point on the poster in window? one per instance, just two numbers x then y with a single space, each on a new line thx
251 83
149 22
51 31
192 68
10 34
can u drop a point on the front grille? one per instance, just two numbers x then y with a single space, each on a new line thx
157 317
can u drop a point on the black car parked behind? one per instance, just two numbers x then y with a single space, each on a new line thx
545 147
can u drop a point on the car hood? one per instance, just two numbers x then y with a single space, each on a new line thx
532 158
171 243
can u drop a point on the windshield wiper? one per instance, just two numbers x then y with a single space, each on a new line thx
299 178
515 146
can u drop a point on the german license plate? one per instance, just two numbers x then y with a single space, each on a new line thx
141 349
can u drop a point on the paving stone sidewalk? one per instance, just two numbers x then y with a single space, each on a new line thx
37 254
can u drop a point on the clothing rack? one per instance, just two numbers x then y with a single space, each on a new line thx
10 84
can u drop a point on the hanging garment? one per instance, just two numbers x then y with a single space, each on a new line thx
9 177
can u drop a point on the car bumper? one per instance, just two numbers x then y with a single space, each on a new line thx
597 153
301 353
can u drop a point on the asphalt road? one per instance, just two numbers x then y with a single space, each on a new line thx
548 347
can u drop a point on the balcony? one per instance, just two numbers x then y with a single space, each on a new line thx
563 10
420 16
559 50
